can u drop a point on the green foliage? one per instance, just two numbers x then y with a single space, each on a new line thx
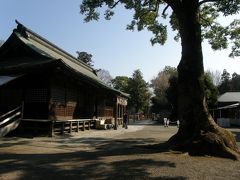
211 91
235 82
172 95
121 83
137 88
139 92
227 7
225 82
160 84
85 57
229 84
147 16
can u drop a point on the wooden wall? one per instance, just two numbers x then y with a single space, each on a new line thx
69 101
56 96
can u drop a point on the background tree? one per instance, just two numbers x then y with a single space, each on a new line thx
139 92
228 83
210 90
105 76
216 76
235 82
160 84
121 83
225 85
172 96
193 20
85 57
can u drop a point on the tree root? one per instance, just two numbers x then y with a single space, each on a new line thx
217 142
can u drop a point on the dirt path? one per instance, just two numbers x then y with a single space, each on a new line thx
109 154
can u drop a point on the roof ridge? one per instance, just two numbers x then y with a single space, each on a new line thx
26 32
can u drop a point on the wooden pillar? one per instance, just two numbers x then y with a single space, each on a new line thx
70 127
62 128
51 129
89 125
77 126
122 113
22 110
116 114
83 128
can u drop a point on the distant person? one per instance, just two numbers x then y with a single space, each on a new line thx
178 123
125 120
165 122
168 122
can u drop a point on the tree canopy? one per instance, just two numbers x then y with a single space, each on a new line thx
85 57
121 83
166 91
105 76
138 90
160 84
148 14
228 83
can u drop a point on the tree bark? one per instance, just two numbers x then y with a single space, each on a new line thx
198 133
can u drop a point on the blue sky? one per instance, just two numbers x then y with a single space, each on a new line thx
113 47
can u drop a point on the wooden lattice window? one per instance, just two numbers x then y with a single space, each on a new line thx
36 95
58 95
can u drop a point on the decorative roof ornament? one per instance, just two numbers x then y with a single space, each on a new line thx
22 29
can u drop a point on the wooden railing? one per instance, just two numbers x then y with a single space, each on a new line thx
69 126
10 121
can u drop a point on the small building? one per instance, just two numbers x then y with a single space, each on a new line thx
50 85
228 111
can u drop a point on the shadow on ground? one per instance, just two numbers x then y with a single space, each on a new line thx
109 159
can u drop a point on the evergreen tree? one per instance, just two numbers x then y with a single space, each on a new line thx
85 57
235 82
139 92
160 84
121 83
225 84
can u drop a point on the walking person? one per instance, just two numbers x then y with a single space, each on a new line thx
178 123
165 122
168 122
125 120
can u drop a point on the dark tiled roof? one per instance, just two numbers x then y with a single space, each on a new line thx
53 53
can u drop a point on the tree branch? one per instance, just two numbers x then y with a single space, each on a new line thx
205 1
165 9
209 24
145 3
114 5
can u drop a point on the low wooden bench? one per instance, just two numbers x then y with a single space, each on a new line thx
74 125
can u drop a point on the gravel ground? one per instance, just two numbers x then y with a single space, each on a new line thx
109 154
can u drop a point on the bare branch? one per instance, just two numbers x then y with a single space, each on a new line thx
114 5
165 9
205 1
145 3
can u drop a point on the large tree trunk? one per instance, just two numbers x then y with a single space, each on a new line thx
198 133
